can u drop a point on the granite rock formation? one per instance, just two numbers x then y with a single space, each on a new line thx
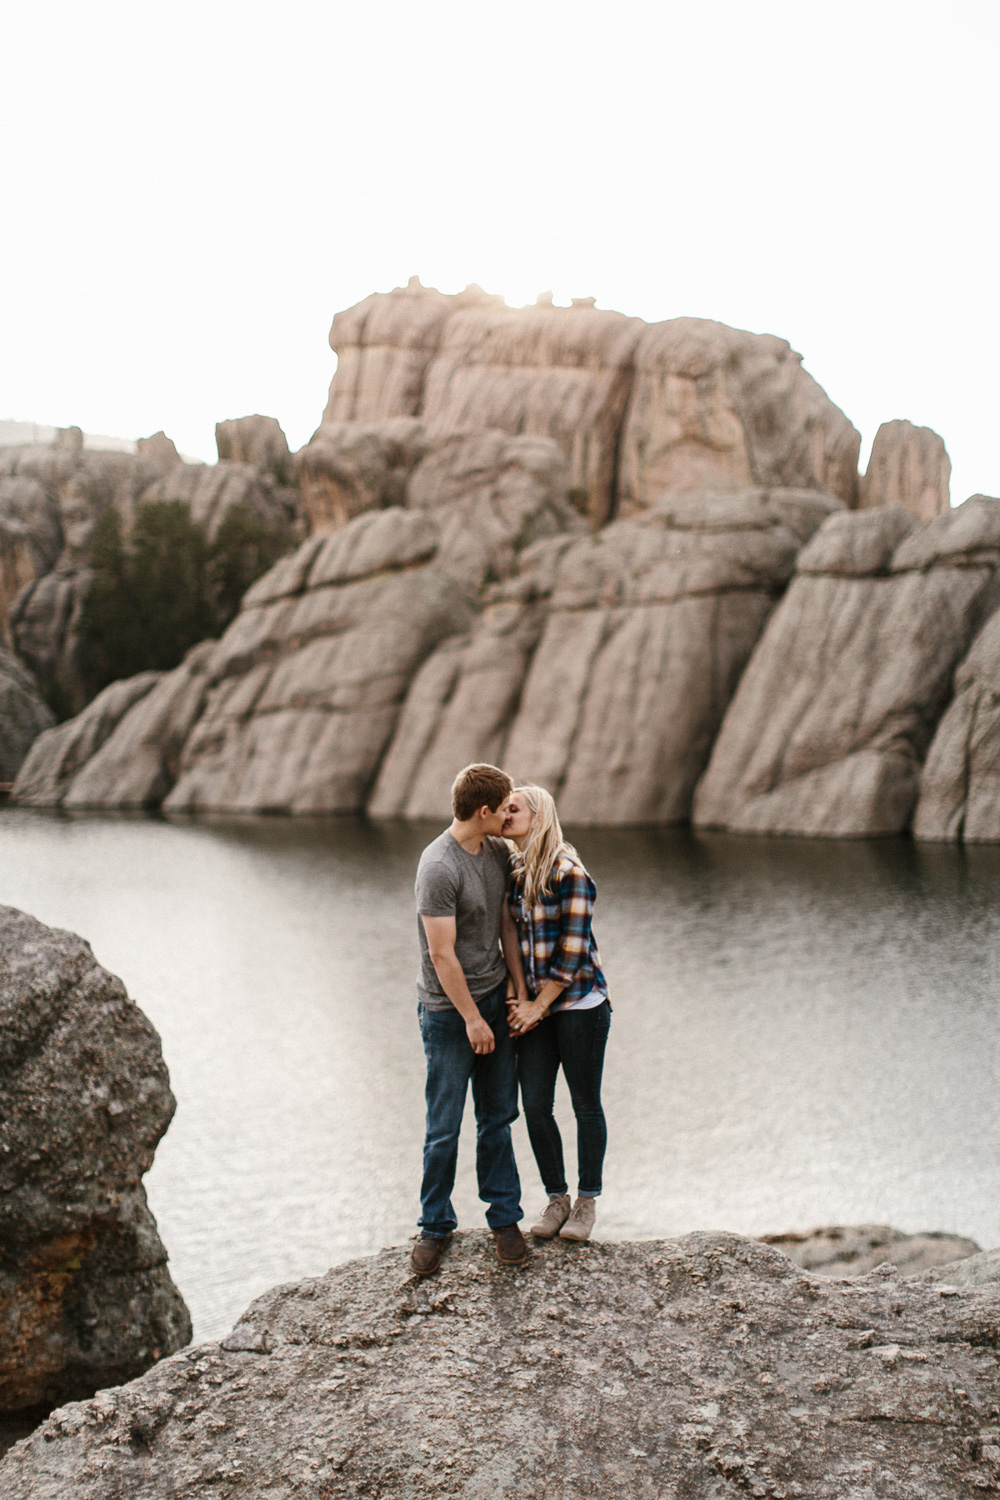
51 499
703 1366
713 406
307 683
908 466
258 441
350 467
23 715
960 781
159 450
30 540
639 410
210 490
572 528
603 667
855 1250
86 1300
829 727
57 755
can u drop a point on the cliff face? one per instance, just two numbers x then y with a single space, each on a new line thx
828 730
640 411
561 538
603 667
703 1366
51 499
85 1296
23 715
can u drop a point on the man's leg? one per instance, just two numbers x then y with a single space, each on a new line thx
449 1067
494 1093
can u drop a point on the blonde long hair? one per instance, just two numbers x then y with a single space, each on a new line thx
537 860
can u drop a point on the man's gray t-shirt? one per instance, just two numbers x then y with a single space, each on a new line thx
451 882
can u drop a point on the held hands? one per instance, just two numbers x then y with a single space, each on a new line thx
523 1014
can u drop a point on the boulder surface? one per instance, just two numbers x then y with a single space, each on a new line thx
908 466
639 410
61 752
960 781
707 1366
833 716
856 1249
255 440
86 1300
603 666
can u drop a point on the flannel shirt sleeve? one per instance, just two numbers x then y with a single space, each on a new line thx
577 893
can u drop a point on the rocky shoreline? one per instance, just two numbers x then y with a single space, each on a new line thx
857 1361
708 1365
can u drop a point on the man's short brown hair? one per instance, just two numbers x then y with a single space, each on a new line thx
479 786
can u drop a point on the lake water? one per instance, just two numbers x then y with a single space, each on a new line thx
804 1032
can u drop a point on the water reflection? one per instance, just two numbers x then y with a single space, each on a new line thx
804 1031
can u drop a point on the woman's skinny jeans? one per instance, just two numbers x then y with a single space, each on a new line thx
574 1039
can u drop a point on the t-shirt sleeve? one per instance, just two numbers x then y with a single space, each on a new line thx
437 890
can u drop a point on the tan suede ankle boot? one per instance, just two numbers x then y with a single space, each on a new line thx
581 1220
555 1215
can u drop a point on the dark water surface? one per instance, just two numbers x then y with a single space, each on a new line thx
804 1032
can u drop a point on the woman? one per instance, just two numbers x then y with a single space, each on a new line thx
565 1019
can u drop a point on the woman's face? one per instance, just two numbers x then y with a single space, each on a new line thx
517 822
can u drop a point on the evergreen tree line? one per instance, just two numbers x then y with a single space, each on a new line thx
165 586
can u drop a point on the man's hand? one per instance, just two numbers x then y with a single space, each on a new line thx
480 1036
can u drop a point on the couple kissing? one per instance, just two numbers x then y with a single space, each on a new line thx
510 989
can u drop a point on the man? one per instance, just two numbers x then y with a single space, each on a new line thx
462 921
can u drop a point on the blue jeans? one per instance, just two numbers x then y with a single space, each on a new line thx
451 1063
575 1039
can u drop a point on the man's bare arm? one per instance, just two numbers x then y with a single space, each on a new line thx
441 933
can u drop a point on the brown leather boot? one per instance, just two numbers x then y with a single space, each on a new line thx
512 1247
425 1257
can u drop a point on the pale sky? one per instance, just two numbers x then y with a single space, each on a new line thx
191 190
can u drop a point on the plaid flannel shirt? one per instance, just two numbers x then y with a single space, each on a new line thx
556 937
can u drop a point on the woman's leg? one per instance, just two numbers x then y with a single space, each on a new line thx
537 1066
581 1038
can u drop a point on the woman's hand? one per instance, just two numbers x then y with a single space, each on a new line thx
523 1015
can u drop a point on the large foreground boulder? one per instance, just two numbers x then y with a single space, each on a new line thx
86 1299
830 725
708 1366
